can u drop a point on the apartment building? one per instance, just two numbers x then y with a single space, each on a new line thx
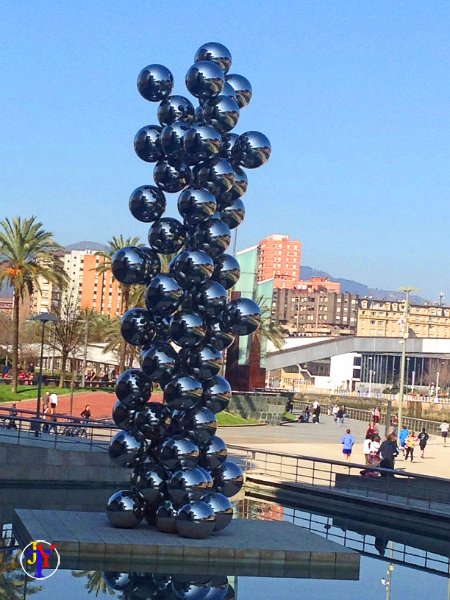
315 313
386 319
279 259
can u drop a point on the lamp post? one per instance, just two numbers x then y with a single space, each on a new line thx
436 392
371 374
407 291
42 318
369 359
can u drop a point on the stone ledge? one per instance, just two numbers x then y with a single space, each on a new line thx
244 547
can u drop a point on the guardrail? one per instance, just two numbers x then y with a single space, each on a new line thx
380 485
361 414
63 432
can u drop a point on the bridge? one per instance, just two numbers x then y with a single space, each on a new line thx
303 350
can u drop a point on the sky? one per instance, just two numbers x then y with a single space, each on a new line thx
354 96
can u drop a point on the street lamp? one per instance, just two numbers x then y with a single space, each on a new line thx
436 392
371 374
42 318
405 335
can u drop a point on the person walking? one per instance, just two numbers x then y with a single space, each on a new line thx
53 400
376 414
307 414
334 412
444 431
423 440
347 442
409 445
374 450
316 412
340 415
372 429
86 414
366 447
388 452
403 435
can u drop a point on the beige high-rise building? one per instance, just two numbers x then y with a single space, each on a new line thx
386 319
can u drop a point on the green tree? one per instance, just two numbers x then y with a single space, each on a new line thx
27 252
113 246
13 579
95 582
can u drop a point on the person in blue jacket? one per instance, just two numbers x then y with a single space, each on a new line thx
402 437
347 442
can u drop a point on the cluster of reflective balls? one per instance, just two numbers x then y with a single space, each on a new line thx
182 479
140 586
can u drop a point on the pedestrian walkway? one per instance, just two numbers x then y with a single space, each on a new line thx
101 403
323 441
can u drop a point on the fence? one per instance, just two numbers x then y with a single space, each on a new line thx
394 487
63 432
361 414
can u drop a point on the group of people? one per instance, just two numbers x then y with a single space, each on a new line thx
101 375
383 454
49 413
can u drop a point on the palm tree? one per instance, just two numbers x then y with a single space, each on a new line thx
95 582
268 330
12 579
113 246
27 253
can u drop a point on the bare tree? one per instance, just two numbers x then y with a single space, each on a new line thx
68 335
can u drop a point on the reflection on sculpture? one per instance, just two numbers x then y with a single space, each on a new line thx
161 585
181 477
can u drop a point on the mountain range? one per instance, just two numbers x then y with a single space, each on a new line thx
347 285
364 291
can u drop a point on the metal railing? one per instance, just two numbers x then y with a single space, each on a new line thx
64 432
398 487
361 414
339 530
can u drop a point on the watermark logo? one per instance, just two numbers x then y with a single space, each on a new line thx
40 559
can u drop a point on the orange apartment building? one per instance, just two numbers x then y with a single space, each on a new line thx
98 290
279 258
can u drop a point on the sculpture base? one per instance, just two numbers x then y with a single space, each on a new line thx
86 540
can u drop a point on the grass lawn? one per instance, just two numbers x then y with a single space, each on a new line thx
226 418
26 392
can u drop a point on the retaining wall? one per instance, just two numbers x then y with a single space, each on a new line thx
32 463
260 406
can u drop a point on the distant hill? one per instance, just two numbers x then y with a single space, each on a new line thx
364 291
86 246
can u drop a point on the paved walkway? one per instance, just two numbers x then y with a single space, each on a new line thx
101 403
323 441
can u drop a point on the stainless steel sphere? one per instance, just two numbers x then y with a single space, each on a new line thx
216 53
195 520
155 82
177 452
125 509
228 478
213 454
187 484
133 388
126 450
222 508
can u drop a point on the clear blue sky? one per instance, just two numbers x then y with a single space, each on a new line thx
354 96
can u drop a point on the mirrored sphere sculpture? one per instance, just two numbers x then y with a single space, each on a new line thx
181 476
